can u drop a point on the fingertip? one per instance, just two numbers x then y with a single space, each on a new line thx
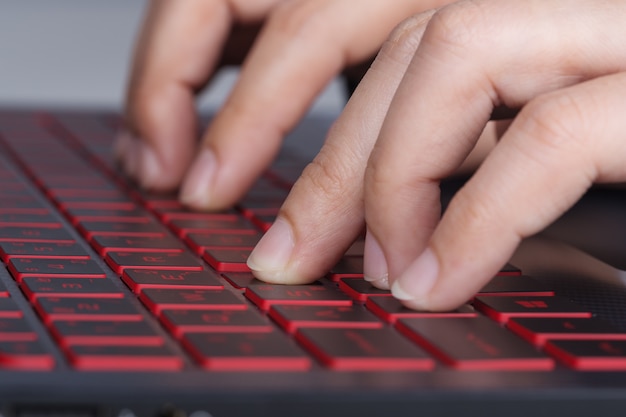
196 190
414 285
270 259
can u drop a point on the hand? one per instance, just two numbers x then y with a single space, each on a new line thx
303 44
418 113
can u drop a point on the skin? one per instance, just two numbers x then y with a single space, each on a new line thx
281 42
416 116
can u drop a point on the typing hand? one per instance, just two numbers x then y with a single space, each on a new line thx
418 113
301 45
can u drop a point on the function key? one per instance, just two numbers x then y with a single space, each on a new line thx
270 351
364 350
502 309
474 344
267 295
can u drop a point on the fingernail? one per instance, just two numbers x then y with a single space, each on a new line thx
418 279
273 252
150 166
121 145
195 190
374 263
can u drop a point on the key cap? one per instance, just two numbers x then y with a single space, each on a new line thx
34 287
271 351
179 322
141 279
590 355
241 280
219 223
361 290
16 330
34 234
148 229
266 295
364 350
199 242
540 330
105 244
515 285
157 300
473 344
50 250
294 317
9 308
348 267
25 355
119 333
501 309
119 261
228 259
391 310
93 309
29 220
21 268
123 358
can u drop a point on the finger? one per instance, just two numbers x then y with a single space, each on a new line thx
560 144
313 41
324 211
176 53
458 75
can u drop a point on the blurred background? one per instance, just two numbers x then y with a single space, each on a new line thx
76 53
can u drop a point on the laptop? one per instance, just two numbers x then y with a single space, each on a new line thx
118 302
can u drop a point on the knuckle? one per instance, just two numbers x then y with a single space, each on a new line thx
327 178
460 26
554 121
299 19
405 38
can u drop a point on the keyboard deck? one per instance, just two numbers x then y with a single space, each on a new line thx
103 276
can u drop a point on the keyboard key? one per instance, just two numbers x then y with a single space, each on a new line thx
364 350
473 344
22 268
198 242
348 267
361 290
149 229
271 351
391 310
119 261
34 234
179 322
141 279
294 317
515 285
216 223
540 330
25 355
590 355
93 309
105 244
119 333
502 309
241 280
228 259
34 287
16 330
267 295
123 358
157 300
9 308
50 250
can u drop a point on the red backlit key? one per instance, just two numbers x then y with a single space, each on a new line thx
348 267
241 280
16 330
105 244
502 309
266 295
515 285
77 215
120 333
34 287
391 310
201 241
21 268
228 259
123 358
361 290
590 355
29 220
141 279
510 270
474 344
271 351
92 309
364 350
148 229
3 291
51 250
217 223
158 299
540 330
25 355
294 317
179 322
9 308
34 234
119 261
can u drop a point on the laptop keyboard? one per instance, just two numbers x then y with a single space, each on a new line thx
103 276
